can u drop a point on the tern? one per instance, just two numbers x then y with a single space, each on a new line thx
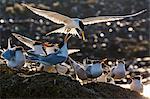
88 71
58 57
79 69
15 57
136 84
119 71
73 25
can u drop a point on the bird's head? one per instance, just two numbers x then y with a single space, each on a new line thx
81 25
121 61
19 48
137 77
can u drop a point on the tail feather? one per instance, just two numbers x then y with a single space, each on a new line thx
27 41
71 51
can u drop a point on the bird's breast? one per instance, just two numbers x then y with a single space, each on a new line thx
73 24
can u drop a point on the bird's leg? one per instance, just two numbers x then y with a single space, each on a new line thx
67 37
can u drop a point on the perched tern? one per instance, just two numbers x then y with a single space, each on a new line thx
94 70
55 58
119 71
15 58
73 25
136 84
78 69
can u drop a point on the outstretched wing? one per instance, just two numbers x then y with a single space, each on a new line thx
53 16
28 42
100 19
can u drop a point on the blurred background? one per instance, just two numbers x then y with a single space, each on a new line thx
128 38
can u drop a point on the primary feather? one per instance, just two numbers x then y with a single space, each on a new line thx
100 19
28 42
53 16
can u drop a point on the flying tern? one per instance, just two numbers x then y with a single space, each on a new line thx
75 25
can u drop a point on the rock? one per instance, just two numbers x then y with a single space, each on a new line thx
51 85
111 91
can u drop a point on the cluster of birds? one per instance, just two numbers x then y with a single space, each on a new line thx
55 55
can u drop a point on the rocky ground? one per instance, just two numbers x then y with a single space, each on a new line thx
49 85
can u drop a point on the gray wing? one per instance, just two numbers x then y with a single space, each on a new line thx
28 42
53 16
100 19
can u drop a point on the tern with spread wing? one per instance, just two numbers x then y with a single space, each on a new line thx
73 25
58 57
39 47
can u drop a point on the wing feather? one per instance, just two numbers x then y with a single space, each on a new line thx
71 51
53 16
100 19
28 42
73 31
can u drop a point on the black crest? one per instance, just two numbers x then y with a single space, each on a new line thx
136 77
19 48
37 43
81 25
